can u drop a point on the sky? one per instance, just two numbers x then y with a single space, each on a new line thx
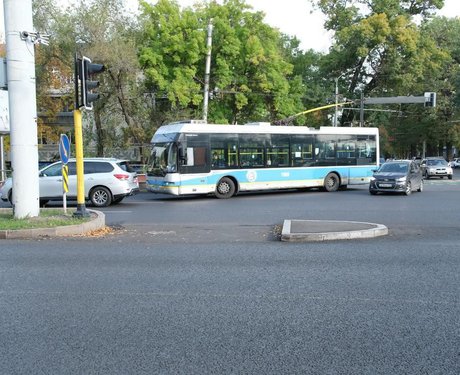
292 17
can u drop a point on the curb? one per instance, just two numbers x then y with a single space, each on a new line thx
96 222
326 230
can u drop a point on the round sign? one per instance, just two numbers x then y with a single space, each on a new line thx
64 148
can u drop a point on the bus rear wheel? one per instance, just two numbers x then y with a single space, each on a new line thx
225 188
331 182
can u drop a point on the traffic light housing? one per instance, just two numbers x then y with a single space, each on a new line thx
430 99
85 86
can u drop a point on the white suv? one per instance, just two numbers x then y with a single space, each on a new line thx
455 163
107 181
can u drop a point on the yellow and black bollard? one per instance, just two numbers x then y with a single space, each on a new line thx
65 185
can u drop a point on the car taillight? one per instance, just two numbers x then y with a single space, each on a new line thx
122 177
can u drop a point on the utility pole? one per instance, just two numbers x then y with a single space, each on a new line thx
23 106
207 72
336 114
336 100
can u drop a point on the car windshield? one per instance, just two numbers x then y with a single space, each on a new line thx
394 167
164 159
436 162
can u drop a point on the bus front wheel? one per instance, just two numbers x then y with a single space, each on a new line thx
331 182
225 188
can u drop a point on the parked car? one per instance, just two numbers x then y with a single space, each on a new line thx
107 181
436 167
455 163
398 176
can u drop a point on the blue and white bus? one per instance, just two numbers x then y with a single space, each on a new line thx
194 157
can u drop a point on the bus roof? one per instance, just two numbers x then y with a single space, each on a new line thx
257 128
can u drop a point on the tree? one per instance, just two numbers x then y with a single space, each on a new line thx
250 80
378 46
443 130
101 30
390 48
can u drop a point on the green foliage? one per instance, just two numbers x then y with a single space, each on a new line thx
156 67
250 80
172 46
380 50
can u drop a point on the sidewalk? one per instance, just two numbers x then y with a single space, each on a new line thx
326 230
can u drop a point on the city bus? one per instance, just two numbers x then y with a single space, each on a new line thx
194 157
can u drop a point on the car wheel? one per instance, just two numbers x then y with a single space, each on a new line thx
225 188
426 176
450 177
408 190
372 192
100 196
10 196
331 182
420 188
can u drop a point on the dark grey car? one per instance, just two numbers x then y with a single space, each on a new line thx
399 176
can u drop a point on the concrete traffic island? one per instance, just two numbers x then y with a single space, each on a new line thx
327 230
96 222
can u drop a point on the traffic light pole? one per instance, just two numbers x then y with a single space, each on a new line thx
84 96
81 207
428 99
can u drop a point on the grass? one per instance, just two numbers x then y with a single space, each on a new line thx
48 218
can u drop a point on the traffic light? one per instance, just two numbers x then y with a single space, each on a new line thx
84 86
430 99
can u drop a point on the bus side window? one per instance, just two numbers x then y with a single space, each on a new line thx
224 151
218 158
301 150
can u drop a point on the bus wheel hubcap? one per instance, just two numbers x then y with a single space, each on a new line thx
224 188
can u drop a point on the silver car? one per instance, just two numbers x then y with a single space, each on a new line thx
107 181
436 167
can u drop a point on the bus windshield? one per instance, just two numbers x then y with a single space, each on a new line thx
164 159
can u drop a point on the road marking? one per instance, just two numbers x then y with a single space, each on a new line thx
162 232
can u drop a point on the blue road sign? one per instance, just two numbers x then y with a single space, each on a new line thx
64 148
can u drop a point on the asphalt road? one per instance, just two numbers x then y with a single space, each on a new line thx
203 286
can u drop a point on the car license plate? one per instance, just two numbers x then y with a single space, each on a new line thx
385 185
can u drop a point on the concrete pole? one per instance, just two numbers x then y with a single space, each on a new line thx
336 101
2 160
23 107
207 73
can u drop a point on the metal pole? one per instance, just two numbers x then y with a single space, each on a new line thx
207 72
81 208
361 112
23 107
